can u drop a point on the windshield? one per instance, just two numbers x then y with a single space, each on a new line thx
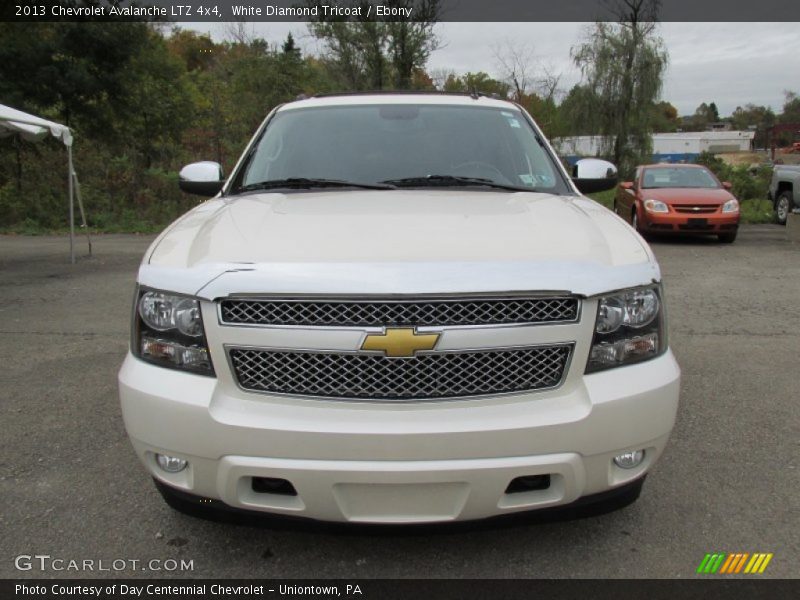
402 145
678 177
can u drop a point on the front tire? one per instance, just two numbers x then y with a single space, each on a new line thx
727 238
635 223
783 204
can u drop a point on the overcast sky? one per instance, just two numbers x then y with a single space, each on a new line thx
727 63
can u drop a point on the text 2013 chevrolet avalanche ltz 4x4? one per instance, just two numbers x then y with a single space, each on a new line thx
398 308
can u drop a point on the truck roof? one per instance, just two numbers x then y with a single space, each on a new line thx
433 98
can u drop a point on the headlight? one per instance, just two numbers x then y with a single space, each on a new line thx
156 310
630 327
635 308
655 206
168 331
731 206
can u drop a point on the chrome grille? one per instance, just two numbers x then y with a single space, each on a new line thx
694 208
391 313
426 376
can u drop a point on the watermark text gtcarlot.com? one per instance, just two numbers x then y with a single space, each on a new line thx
45 562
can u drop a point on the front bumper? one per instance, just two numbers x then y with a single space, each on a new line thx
408 463
686 223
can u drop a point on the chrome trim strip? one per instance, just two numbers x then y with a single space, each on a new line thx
399 297
368 299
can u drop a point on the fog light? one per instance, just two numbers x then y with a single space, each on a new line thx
171 464
629 460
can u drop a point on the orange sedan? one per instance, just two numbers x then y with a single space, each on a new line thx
686 199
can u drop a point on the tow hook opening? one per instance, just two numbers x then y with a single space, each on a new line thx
272 485
528 483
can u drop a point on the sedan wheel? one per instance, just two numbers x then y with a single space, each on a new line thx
635 224
782 205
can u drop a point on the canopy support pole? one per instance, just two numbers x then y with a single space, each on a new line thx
71 207
84 224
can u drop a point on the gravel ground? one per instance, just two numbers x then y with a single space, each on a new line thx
72 487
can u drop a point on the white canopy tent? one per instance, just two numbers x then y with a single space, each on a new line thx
35 129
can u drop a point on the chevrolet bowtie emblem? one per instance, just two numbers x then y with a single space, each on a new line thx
400 342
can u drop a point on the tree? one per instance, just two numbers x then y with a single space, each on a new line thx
546 113
410 43
665 117
623 66
752 115
755 117
420 80
158 102
704 115
791 108
289 47
197 51
516 63
525 75
238 33
440 76
573 108
713 113
379 54
354 52
143 99
476 82
74 68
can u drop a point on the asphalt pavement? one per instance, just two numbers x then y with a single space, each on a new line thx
72 488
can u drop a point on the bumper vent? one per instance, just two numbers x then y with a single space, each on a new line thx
426 376
394 313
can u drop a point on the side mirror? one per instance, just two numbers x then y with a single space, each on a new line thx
594 175
727 185
626 185
201 178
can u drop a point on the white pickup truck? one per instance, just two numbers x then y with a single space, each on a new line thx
398 308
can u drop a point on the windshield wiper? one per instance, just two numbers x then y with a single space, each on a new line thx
454 181
304 183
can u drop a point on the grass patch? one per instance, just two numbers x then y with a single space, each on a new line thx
757 211
605 198
30 227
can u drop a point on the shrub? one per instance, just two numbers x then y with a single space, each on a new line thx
748 184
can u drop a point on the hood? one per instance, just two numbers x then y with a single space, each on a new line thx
698 196
356 236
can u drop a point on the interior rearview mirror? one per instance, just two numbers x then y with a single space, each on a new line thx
202 178
594 175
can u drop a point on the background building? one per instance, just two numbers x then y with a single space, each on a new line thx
667 147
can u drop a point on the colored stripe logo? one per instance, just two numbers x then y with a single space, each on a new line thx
738 562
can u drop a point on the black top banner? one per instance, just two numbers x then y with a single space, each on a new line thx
401 10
